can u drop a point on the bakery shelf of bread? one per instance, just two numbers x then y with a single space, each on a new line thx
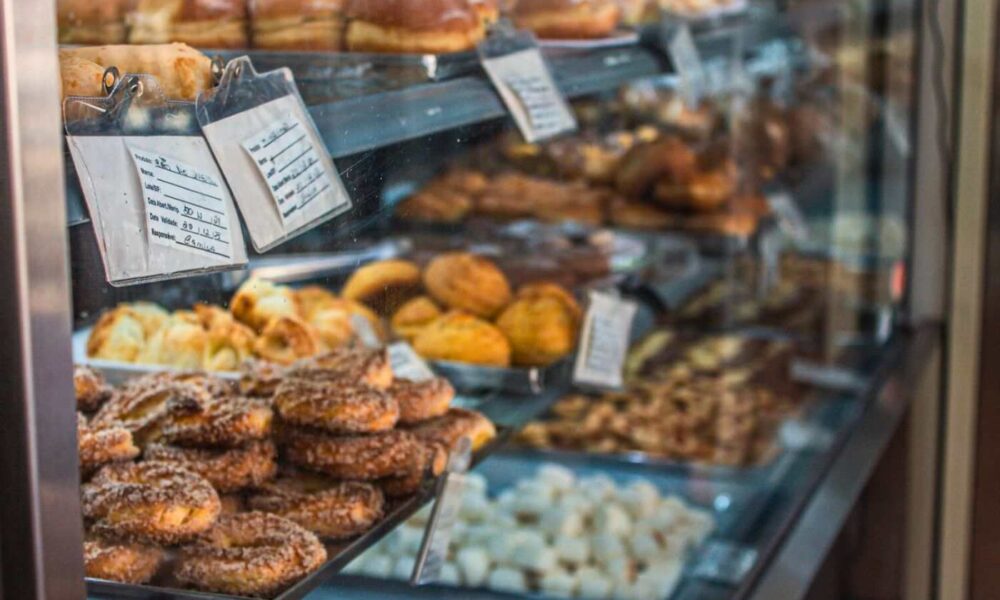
263 487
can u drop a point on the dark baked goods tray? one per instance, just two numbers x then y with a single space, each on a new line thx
330 76
339 554
469 378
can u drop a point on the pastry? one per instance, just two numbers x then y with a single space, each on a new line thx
201 23
452 426
80 77
337 406
432 460
227 469
360 457
91 22
541 330
567 19
461 337
383 285
421 400
639 215
435 204
223 421
286 339
142 406
257 302
331 509
120 561
90 389
229 343
181 343
351 364
402 26
464 281
250 554
101 445
668 159
149 501
180 71
297 24
121 334
488 11
413 316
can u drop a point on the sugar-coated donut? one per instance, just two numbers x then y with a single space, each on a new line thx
361 457
334 406
120 561
250 554
421 400
228 470
102 445
453 426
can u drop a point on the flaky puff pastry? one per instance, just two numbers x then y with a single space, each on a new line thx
286 339
467 282
542 328
181 343
461 337
384 284
333 318
413 317
258 302
120 334
229 342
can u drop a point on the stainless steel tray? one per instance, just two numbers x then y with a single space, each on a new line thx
523 381
731 503
339 554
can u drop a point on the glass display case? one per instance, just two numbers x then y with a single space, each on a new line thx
451 298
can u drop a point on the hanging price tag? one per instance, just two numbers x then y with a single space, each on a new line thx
687 62
516 67
604 341
407 364
437 535
185 208
271 153
790 218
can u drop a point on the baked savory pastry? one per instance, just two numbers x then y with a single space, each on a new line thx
229 343
407 27
181 71
666 160
180 343
461 337
541 325
201 23
91 22
121 333
286 339
126 562
331 509
80 77
257 302
468 282
412 317
297 24
567 19
383 285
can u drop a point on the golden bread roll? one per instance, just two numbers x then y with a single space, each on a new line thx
412 317
91 21
383 285
547 289
461 337
257 302
313 298
181 71
467 282
121 334
180 343
488 11
568 19
201 23
541 330
297 24
80 77
407 27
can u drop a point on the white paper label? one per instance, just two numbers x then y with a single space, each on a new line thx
185 208
282 176
407 364
437 535
687 63
127 206
604 341
365 332
531 95
790 218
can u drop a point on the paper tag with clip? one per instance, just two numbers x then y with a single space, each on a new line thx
518 71
604 341
437 535
271 153
158 203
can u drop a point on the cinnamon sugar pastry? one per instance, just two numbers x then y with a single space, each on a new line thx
227 469
335 406
90 388
99 446
359 457
126 562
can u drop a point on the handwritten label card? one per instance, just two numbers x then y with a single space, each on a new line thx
527 88
437 535
290 164
407 364
604 341
282 175
185 208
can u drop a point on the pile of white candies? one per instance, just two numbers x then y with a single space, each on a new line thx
556 535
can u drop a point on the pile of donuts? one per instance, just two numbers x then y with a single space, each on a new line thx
194 481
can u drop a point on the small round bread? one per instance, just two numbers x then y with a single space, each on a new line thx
221 422
411 318
311 299
228 470
250 554
141 407
258 302
91 389
467 282
359 457
383 285
461 337
541 330
120 561
335 406
421 400
99 446
286 339
568 19
149 501
453 426
432 461
350 364
330 509
403 26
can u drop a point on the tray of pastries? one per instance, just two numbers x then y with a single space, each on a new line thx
708 402
539 529
261 487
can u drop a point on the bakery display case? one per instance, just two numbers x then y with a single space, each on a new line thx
451 298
